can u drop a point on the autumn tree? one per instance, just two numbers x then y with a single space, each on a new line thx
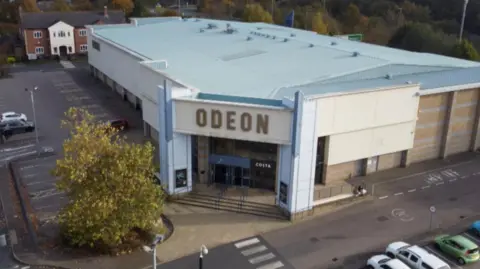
465 50
318 24
125 5
256 13
165 12
61 5
108 182
353 20
82 5
29 6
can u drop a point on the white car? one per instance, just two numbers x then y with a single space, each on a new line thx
414 256
384 262
6 116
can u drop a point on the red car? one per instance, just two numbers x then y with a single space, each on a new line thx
120 124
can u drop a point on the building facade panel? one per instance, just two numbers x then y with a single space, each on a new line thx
342 171
33 41
389 161
62 39
432 112
80 39
462 121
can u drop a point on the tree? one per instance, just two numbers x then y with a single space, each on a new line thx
30 6
139 10
165 12
465 50
256 13
351 18
125 5
108 181
82 5
61 5
228 5
318 24
8 12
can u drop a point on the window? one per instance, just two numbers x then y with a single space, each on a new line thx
37 34
82 32
414 258
426 266
69 49
54 35
404 254
96 45
83 47
180 178
39 50
55 50
68 33
384 266
61 34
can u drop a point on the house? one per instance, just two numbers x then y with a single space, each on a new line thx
46 34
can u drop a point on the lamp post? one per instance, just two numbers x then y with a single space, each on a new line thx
460 36
203 252
153 248
35 88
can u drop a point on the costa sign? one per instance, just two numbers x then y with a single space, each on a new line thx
232 121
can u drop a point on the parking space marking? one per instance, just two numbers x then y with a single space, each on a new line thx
425 187
71 91
398 193
471 237
440 183
412 190
383 197
448 260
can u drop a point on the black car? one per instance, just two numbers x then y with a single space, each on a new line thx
119 124
14 127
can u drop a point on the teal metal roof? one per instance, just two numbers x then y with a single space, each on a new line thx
264 61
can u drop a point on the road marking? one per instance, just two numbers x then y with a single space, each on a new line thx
441 183
398 193
383 197
471 237
425 187
402 215
247 242
445 258
262 258
452 180
17 148
464 177
71 91
254 250
273 265
412 190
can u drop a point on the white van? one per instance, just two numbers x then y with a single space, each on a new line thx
415 256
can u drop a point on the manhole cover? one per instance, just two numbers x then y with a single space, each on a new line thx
335 259
314 239
382 218
453 199
462 217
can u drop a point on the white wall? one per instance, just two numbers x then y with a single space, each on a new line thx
351 112
366 143
56 41
279 129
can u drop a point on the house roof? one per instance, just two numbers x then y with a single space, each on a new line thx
43 20
267 61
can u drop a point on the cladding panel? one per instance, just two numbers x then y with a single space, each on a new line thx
341 172
463 121
388 161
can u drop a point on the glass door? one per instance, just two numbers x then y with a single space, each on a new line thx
237 176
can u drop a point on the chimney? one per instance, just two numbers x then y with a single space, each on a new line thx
105 12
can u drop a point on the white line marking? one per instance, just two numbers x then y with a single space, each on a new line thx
273 265
425 187
17 148
464 177
448 260
247 242
441 183
262 258
383 197
421 173
412 190
452 180
471 237
398 193
254 250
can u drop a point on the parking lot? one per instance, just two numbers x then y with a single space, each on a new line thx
58 90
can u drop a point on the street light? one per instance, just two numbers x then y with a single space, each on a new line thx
153 248
35 88
460 36
203 252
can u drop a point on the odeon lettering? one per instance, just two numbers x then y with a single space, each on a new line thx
231 120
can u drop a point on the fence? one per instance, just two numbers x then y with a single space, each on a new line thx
327 192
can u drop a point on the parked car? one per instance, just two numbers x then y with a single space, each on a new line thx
414 256
459 247
120 124
13 127
475 228
6 116
384 262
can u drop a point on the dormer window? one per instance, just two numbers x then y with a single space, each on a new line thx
61 34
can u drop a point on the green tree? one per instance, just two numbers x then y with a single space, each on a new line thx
61 5
351 19
414 12
108 182
125 5
256 13
29 6
165 12
82 5
139 10
465 50
318 24
8 12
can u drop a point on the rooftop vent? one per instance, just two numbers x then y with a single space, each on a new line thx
285 39
249 38
197 19
356 53
408 82
333 43
389 76
311 45
259 28
274 37
201 30
212 26
230 30
292 35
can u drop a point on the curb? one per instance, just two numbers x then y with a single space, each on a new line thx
166 220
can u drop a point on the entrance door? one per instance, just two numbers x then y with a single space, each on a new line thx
221 173
63 51
237 176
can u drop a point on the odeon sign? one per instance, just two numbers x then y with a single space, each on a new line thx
232 121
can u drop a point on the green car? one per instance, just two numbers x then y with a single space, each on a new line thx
459 247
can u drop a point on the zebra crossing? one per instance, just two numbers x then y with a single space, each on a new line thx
258 254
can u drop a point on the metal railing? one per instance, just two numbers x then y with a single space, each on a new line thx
221 194
243 196
328 192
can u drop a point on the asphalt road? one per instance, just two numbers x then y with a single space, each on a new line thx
399 210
